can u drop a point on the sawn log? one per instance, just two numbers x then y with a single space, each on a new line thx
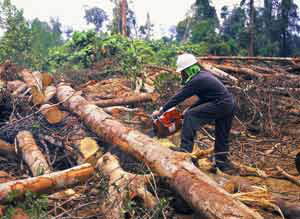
201 192
139 98
48 183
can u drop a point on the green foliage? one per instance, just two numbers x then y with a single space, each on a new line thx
80 51
23 42
16 40
34 205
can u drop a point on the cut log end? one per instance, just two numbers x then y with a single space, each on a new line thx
52 114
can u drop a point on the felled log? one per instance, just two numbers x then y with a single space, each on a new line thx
264 69
35 83
195 187
31 154
48 183
13 85
240 70
139 98
47 79
52 113
247 58
16 87
217 72
5 177
122 185
87 148
49 93
7 149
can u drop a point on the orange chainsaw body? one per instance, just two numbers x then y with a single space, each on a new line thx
168 123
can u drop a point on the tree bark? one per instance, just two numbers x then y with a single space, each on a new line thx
49 92
48 183
201 192
7 149
140 98
241 70
34 82
251 29
217 72
31 153
122 185
124 17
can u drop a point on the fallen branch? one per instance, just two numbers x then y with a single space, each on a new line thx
195 187
122 186
48 183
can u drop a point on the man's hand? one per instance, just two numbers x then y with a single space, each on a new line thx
157 112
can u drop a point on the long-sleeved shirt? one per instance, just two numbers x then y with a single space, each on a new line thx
204 85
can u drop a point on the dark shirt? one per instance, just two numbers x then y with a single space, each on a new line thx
204 85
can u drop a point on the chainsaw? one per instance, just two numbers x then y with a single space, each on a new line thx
167 123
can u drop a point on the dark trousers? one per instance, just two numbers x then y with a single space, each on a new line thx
199 115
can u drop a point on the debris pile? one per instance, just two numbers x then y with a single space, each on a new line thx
86 146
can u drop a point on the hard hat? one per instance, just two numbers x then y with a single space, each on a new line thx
184 61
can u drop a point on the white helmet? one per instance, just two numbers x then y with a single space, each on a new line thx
184 61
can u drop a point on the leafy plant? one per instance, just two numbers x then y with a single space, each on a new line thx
34 205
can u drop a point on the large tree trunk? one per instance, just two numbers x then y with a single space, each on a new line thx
32 155
49 183
143 97
251 29
201 192
124 17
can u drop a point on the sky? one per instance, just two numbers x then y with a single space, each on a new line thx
163 13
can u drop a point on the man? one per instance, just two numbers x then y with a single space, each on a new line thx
215 103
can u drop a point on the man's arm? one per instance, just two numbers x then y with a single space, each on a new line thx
186 92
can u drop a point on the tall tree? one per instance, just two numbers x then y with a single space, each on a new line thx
251 29
121 11
251 24
288 20
124 8
15 43
147 29
96 16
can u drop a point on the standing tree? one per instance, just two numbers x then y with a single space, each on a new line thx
124 8
147 29
96 16
288 21
123 18
251 25
15 43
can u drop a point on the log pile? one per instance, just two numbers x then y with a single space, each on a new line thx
92 138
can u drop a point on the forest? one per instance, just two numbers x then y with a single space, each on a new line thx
76 130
